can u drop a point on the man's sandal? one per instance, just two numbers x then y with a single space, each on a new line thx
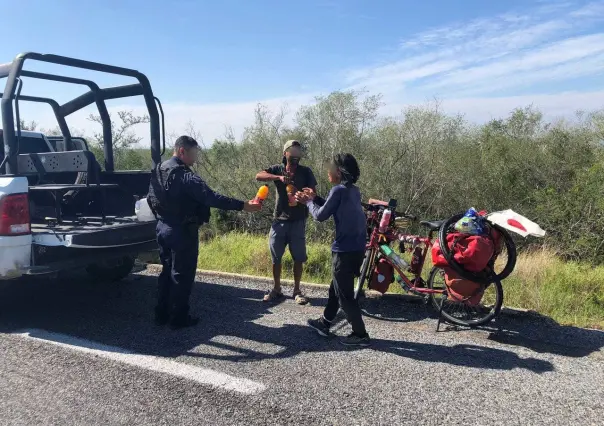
300 298
272 296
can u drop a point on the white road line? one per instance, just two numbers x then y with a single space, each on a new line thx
148 362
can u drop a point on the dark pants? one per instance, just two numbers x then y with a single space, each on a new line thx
178 250
345 267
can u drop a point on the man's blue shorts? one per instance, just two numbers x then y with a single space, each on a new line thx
292 234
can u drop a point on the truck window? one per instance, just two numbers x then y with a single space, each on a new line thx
29 145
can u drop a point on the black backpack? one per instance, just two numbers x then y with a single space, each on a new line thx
157 198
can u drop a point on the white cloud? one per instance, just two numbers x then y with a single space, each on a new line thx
591 10
464 64
532 64
550 42
482 109
211 120
404 74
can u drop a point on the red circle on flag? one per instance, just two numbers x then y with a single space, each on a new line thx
516 224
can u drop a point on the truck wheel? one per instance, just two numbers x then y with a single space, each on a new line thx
111 270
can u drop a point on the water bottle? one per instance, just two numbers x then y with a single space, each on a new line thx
402 283
385 220
395 258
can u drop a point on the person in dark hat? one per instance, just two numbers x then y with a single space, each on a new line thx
289 219
348 248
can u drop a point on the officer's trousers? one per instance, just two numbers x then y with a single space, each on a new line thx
178 250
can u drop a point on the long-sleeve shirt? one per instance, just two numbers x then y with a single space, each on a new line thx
198 189
192 196
344 204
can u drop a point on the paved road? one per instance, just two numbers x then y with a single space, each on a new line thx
78 352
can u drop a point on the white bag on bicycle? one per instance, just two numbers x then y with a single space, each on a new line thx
516 223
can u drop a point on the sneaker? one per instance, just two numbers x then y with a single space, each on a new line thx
319 326
354 340
188 321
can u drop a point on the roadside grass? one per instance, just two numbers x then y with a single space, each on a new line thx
570 293
249 254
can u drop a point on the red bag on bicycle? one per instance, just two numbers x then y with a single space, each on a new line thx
461 290
472 252
382 277
438 259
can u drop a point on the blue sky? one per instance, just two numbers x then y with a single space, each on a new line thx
212 62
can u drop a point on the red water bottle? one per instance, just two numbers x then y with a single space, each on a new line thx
385 220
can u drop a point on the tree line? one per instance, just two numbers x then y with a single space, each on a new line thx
435 164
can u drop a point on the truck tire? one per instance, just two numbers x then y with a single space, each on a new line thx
111 270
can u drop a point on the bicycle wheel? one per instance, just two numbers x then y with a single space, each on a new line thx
478 277
365 273
460 313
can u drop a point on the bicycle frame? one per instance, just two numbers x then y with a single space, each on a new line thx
377 239
379 244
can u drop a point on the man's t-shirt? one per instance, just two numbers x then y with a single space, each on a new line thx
303 178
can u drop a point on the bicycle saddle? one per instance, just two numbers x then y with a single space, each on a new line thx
433 225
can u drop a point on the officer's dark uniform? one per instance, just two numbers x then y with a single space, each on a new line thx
181 201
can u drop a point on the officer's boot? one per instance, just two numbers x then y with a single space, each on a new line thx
183 322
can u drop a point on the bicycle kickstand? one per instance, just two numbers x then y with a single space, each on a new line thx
440 312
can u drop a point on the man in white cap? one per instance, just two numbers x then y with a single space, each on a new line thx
289 220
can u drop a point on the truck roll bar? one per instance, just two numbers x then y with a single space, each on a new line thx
14 70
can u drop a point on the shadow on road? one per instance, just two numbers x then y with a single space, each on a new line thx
531 330
120 314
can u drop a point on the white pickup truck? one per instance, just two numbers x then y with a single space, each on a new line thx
59 208
15 236
34 241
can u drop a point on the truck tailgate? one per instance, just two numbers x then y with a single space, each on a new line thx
89 236
65 246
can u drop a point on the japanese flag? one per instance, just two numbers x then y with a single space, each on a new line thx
515 222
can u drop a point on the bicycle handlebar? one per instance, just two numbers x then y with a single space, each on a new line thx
378 207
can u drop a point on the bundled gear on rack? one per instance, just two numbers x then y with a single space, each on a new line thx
474 246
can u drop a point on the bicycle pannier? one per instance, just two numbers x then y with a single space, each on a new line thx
382 277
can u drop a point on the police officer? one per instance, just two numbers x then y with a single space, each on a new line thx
181 202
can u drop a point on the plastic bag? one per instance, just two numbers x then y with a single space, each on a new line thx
471 223
143 211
